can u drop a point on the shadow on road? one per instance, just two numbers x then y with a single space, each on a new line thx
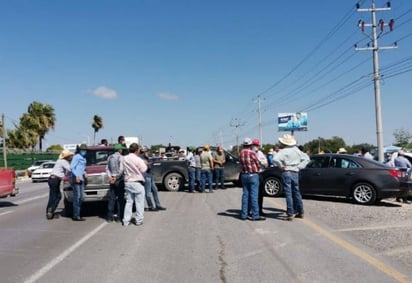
7 204
274 213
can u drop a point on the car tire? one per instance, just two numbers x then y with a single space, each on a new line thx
364 193
272 187
68 208
173 182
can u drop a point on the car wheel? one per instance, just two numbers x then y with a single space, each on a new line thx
272 187
364 193
68 208
173 182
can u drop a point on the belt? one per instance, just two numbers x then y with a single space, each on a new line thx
250 173
55 177
291 171
141 182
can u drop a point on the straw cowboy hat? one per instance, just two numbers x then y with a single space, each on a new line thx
342 150
287 140
65 153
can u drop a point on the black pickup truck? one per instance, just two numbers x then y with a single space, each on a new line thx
172 174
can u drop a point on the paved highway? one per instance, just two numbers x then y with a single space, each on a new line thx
199 238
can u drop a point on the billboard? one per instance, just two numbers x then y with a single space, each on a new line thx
297 121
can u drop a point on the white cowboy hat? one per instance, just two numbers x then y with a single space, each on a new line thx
247 141
287 140
342 150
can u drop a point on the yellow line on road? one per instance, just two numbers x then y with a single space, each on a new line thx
398 276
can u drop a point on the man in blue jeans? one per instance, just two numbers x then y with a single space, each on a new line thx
149 184
77 180
191 168
206 162
114 170
291 159
250 181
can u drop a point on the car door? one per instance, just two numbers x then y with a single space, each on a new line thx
232 167
314 178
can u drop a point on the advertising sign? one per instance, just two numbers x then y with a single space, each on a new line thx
297 121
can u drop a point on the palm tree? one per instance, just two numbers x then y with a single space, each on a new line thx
38 120
96 125
21 138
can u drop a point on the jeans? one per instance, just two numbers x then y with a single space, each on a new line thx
116 199
206 174
250 184
150 187
192 178
294 203
54 194
78 192
198 177
220 177
134 192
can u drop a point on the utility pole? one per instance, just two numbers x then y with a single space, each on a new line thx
236 123
258 99
376 76
3 130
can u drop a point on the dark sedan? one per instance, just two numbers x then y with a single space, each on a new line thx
363 180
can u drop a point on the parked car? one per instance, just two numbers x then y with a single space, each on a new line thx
363 180
172 173
8 183
97 185
43 172
36 165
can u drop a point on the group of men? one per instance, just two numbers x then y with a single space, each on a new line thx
290 159
130 182
203 166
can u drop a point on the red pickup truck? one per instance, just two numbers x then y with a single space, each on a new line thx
8 183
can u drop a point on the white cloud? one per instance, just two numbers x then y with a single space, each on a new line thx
104 92
168 96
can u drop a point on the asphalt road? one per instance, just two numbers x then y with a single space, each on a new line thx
199 238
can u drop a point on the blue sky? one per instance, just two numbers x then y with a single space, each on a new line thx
188 71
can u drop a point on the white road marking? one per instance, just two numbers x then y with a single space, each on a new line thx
41 272
31 199
6 212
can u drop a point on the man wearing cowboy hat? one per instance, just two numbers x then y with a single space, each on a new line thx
291 159
60 169
250 181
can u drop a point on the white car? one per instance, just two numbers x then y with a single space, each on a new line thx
43 172
36 165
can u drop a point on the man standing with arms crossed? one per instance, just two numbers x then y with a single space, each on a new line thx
134 169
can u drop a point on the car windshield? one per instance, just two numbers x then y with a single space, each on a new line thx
98 156
47 165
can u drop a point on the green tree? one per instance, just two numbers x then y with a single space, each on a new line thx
96 125
38 121
21 138
402 137
325 145
55 147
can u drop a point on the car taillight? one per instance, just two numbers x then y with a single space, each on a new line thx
396 173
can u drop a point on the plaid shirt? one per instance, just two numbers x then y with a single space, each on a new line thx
249 161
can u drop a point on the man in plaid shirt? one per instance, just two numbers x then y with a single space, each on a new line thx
250 181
